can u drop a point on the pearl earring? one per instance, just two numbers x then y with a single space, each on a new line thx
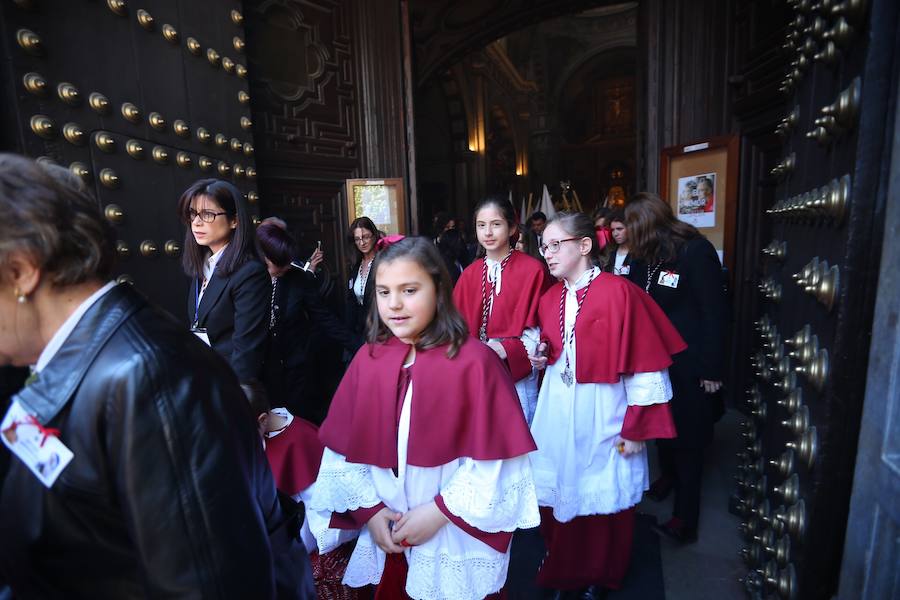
20 297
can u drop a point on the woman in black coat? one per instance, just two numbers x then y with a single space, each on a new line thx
681 271
364 236
228 305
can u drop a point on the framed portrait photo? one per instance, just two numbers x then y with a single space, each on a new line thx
382 200
700 182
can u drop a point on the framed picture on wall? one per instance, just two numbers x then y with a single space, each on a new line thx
700 182
382 200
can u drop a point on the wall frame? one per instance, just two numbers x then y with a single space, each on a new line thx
382 200
700 182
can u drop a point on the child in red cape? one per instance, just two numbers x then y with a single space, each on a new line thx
605 391
498 297
426 448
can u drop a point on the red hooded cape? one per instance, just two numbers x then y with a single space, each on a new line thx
620 327
294 456
515 309
463 407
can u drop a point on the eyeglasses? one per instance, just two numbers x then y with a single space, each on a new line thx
365 238
207 216
553 246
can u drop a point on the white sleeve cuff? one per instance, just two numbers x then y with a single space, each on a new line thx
644 389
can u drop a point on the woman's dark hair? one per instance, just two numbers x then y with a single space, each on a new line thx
654 234
361 223
601 212
276 244
579 225
257 397
448 327
58 226
616 215
502 204
242 246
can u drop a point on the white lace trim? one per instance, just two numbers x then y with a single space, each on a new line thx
512 506
568 503
342 486
445 577
366 563
645 389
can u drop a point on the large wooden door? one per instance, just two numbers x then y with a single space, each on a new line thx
139 100
819 226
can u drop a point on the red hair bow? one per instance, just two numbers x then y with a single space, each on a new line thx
386 241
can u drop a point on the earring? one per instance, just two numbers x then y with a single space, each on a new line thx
20 297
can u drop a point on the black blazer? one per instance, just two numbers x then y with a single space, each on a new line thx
234 311
356 312
698 308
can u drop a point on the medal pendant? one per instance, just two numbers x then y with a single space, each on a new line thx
566 377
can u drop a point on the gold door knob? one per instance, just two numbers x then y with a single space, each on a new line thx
144 19
251 173
837 199
172 249
123 250
238 43
148 249
248 149
131 112
845 108
99 103
241 71
243 97
43 127
213 57
134 149
156 121
203 135
799 421
105 142
204 163
109 178
235 145
114 213
125 278
792 401
789 490
246 123
828 287
73 134
238 170
793 518
160 155
119 7
221 140
227 64
30 42
806 351
805 275
35 84
170 33
183 160
252 197
181 128
68 93
806 446
193 46
256 220
80 171
223 168
785 463
236 17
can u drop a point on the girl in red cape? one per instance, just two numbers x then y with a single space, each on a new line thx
498 297
605 391
426 448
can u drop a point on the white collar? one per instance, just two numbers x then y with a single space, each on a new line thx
212 261
495 272
62 334
281 412
582 281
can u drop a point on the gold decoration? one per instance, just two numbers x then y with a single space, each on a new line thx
35 84
221 140
170 33
73 134
213 57
156 121
193 46
109 178
105 142
256 220
181 128
205 163
68 93
248 149
223 168
235 145
227 64
118 6
125 278
114 213
30 42
183 160
123 250
160 155
134 149
251 173
243 97
246 123
99 103
241 71
80 171
203 135
43 127
238 170
172 249
145 19
236 17
148 249
131 112
238 43
252 197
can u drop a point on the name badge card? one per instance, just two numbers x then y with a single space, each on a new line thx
35 445
668 279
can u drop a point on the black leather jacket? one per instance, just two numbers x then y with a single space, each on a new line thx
169 494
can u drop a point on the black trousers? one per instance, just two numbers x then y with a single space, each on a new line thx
684 466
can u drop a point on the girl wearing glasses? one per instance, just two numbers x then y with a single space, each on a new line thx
606 347
364 236
498 297
228 305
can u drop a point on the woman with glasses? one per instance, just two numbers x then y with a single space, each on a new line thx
606 347
228 305
364 236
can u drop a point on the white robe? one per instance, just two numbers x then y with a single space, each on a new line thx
490 495
577 468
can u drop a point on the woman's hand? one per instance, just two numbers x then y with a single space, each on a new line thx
710 387
627 447
380 530
539 360
316 259
419 525
498 348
